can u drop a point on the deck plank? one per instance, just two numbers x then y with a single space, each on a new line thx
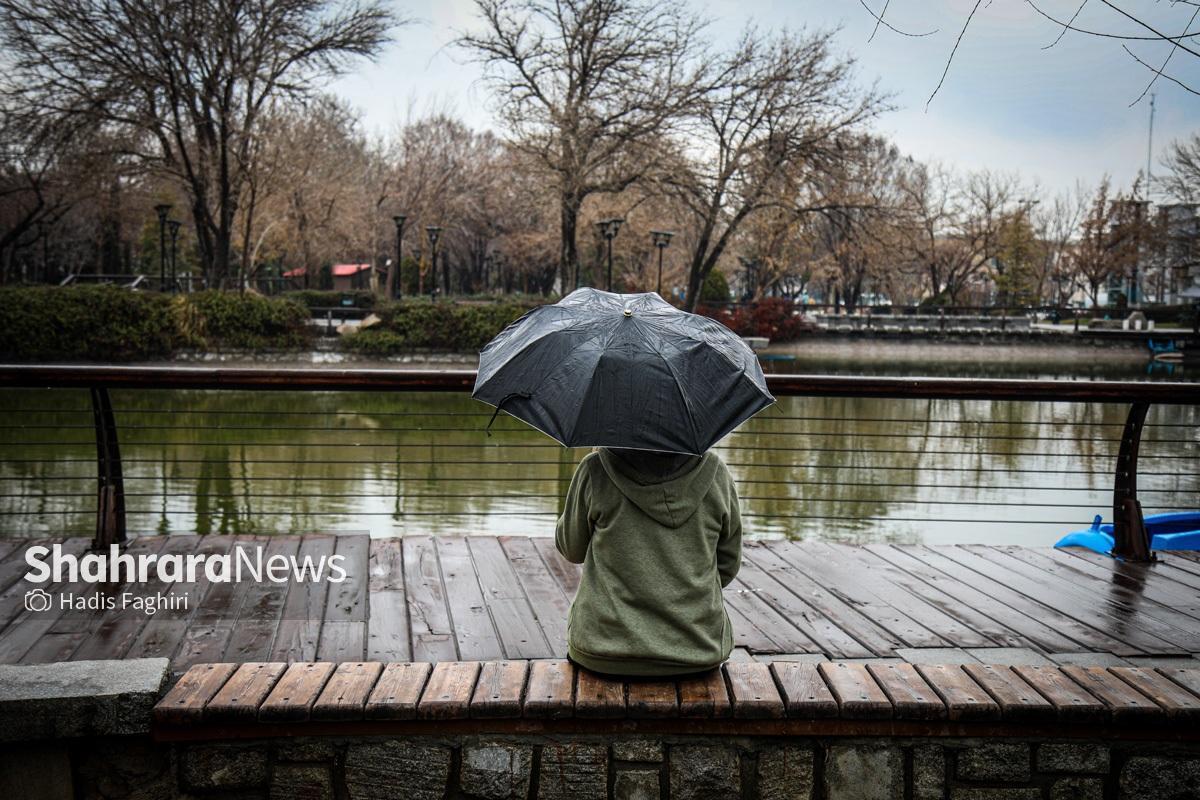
516 623
1071 702
344 627
566 573
858 695
804 692
752 691
1018 701
705 696
293 697
184 703
964 698
1175 701
345 694
447 695
1125 704
241 695
430 632
163 634
546 596
1139 575
398 691
652 699
995 588
911 696
1098 611
1030 629
262 608
299 631
837 629
499 689
931 623
387 624
932 594
1132 584
551 691
598 697
474 632
1173 622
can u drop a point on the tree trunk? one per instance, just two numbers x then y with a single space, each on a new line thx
568 260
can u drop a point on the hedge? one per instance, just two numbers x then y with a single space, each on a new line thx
106 323
418 324
316 298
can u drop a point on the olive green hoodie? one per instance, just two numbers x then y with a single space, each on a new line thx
655 557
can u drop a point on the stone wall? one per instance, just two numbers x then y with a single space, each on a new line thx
596 768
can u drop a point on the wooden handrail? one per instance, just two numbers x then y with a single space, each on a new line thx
392 380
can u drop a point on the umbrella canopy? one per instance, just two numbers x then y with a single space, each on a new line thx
622 370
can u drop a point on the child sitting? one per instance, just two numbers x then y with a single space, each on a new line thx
659 535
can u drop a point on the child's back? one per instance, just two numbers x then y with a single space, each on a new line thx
658 537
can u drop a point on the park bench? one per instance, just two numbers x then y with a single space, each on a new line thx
782 698
791 730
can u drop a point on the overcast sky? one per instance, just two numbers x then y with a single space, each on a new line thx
1056 116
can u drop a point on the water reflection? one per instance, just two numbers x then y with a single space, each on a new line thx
846 469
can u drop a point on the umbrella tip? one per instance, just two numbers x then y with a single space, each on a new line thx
629 312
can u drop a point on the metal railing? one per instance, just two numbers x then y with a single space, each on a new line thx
783 467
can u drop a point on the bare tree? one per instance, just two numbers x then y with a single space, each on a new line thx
782 112
1182 162
188 82
852 239
586 86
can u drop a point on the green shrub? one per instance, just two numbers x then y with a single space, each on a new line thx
374 341
715 288
96 323
418 324
314 298
106 323
230 320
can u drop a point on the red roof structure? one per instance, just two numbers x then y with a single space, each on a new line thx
338 270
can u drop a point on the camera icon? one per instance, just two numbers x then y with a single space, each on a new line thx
38 600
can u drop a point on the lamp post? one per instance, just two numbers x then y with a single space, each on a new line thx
608 229
433 232
661 239
395 277
162 209
173 226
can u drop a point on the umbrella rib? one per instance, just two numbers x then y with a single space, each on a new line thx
682 395
666 323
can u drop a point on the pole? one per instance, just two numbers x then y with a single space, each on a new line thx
660 256
609 238
400 262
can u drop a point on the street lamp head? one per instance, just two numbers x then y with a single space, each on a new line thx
661 238
399 220
162 209
433 232
173 226
609 227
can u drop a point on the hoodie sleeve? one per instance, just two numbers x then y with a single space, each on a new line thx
574 530
729 546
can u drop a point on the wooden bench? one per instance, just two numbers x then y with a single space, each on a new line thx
256 700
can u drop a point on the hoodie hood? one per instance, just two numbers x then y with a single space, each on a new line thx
670 503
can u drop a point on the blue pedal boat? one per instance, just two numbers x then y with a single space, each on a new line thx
1178 530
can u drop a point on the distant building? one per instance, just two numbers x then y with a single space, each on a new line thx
346 277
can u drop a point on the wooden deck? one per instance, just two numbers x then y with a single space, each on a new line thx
488 598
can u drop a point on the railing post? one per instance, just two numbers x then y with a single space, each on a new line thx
110 499
1130 540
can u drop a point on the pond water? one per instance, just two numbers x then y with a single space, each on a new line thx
848 469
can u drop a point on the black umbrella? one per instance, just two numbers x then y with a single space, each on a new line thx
622 370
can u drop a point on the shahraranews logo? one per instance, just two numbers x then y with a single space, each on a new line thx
115 566
52 564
